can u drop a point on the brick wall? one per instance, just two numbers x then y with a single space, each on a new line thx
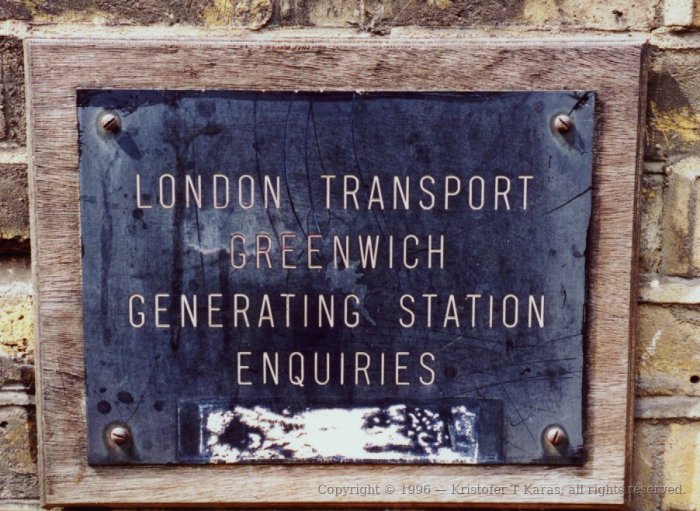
667 427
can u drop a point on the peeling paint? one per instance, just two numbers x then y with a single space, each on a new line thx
372 433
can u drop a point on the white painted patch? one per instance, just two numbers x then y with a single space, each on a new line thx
397 433
651 349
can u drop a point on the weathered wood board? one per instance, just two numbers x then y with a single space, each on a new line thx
58 69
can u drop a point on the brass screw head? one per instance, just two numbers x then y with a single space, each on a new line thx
563 123
119 435
555 435
109 122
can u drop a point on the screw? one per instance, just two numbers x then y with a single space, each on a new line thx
555 435
109 121
562 123
119 435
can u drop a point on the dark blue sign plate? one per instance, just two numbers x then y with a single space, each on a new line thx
334 277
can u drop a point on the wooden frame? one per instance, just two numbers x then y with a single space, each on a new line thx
612 66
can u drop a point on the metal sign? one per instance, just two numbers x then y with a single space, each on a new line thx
334 277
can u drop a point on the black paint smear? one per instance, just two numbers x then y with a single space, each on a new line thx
104 407
125 397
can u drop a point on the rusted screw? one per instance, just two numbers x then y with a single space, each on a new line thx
119 435
555 435
110 122
562 123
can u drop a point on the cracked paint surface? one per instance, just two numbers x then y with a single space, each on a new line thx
292 346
